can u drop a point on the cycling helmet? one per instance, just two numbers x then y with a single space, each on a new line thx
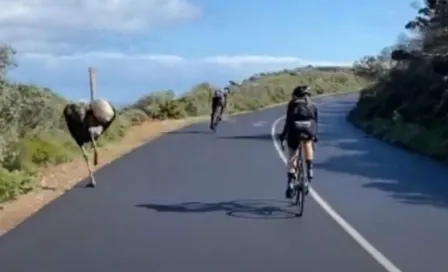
300 91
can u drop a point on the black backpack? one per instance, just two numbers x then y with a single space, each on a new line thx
219 94
302 111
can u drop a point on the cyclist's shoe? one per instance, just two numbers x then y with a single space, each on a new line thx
306 187
308 181
289 193
310 174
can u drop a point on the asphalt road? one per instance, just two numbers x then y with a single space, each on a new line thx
196 201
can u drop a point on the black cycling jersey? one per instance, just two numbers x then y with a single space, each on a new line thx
289 126
219 95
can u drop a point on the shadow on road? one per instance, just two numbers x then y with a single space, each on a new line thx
266 136
192 131
409 178
247 209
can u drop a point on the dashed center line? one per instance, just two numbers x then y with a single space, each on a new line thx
259 124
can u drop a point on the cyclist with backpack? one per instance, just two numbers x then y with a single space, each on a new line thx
219 103
300 126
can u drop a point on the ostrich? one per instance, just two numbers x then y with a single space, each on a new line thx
86 122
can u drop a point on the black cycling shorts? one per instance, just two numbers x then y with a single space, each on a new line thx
302 131
217 102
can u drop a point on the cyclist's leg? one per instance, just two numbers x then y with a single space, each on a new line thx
292 153
219 113
308 146
220 110
309 157
223 107
212 115
211 119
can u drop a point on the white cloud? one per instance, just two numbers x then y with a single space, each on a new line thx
105 56
242 60
252 59
236 61
36 25
114 15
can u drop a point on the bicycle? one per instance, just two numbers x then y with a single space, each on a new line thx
299 181
299 191
217 114
216 118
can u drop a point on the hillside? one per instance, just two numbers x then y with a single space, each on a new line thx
408 104
33 134
253 93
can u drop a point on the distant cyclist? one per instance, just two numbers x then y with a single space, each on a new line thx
219 103
300 125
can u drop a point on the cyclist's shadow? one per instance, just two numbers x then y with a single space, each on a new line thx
245 208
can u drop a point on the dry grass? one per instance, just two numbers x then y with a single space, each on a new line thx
56 180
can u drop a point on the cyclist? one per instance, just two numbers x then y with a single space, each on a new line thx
219 103
300 125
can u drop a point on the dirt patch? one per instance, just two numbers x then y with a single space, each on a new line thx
56 180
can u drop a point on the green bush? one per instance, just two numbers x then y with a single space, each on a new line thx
135 116
430 142
407 104
116 131
254 93
14 183
44 151
172 109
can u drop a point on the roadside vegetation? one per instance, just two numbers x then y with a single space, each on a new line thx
33 133
408 103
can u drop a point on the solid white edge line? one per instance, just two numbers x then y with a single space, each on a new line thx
369 248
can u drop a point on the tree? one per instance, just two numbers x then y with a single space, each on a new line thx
7 60
374 67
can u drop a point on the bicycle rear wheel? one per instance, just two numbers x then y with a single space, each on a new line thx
300 197
299 186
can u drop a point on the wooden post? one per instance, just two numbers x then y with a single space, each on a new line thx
92 80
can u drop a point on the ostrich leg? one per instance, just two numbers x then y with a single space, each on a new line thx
86 159
95 150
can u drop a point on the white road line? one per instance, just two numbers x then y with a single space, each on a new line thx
259 124
376 254
228 119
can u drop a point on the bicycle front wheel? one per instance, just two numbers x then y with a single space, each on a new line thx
300 185
300 198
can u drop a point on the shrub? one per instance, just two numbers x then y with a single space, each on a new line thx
43 151
407 104
14 183
135 116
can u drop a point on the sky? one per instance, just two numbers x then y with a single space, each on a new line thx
140 46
